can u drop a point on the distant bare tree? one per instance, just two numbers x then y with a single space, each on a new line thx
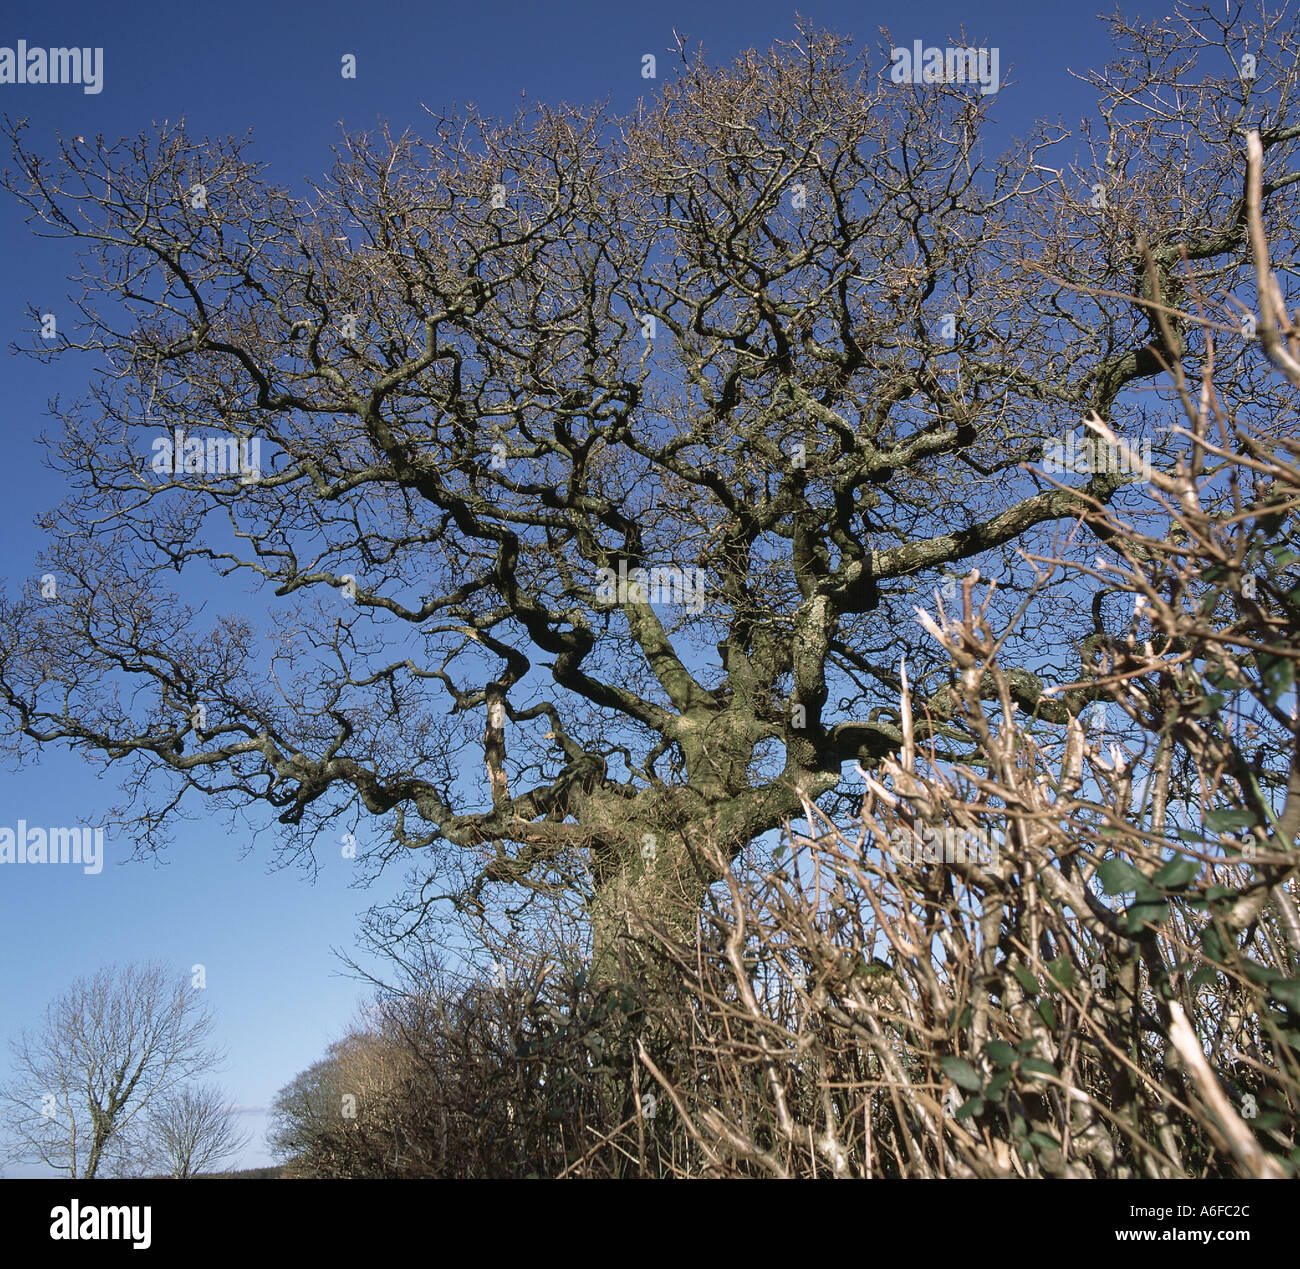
109 1048
308 1109
191 1131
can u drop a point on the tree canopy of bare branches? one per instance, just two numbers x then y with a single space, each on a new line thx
1071 952
191 1131
788 340
111 1049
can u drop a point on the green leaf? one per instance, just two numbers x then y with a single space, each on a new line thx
1036 1066
1283 556
1117 876
1177 873
1287 990
1216 948
1061 972
1263 974
997 1084
1278 672
1269 523
1043 1141
970 1107
1047 1012
1025 979
1228 819
1140 915
1000 1052
962 1073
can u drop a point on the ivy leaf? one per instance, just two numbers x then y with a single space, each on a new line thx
997 1084
1227 819
1268 524
1145 913
1025 979
1177 873
1216 948
1000 1052
1278 673
1061 972
1117 876
1263 974
962 1073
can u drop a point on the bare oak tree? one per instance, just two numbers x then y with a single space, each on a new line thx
191 1131
109 1048
1075 953
787 340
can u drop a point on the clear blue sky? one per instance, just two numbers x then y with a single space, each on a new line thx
265 936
